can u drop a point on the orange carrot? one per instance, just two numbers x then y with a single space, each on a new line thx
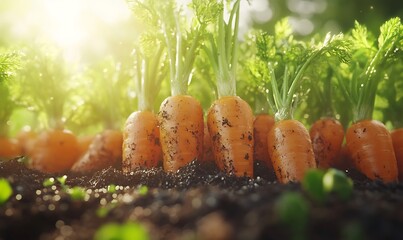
54 151
104 151
370 147
141 141
84 143
207 146
290 150
230 124
261 127
397 139
327 136
9 148
181 131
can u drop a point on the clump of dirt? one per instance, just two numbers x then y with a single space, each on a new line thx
196 202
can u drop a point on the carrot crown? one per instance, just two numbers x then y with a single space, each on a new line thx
182 36
283 55
149 73
361 78
222 50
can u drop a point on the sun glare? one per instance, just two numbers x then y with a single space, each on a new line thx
71 24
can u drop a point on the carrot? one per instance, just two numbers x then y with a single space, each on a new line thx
104 151
261 127
290 149
181 131
327 136
207 146
9 148
397 139
54 151
230 118
180 116
230 124
84 143
368 141
141 141
289 143
371 149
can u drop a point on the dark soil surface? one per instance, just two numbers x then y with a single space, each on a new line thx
197 202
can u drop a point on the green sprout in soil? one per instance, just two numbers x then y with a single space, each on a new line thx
319 184
104 210
292 210
111 188
48 182
142 190
129 230
5 191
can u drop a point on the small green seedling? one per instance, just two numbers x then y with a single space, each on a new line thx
62 180
103 211
111 188
142 190
337 182
312 183
5 190
292 210
77 193
129 230
48 182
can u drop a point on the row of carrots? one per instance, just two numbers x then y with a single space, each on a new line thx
232 135
58 151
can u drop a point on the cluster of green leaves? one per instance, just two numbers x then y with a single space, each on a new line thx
76 193
282 61
372 58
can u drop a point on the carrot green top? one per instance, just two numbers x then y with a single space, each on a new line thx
149 73
44 84
282 55
182 36
360 79
222 50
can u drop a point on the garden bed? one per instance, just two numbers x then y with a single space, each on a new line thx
197 202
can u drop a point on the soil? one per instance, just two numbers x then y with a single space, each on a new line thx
197 202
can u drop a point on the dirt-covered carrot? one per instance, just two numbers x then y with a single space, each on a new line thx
104 151
106 102
289 143
261 127
230 118
397 139
141 135
327 136
369 142
207 146
180 116
54 150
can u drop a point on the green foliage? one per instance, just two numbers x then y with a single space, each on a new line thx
125 231
48 182
111 188
360 79
77 193
284 58
222 49
5 190
293 211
